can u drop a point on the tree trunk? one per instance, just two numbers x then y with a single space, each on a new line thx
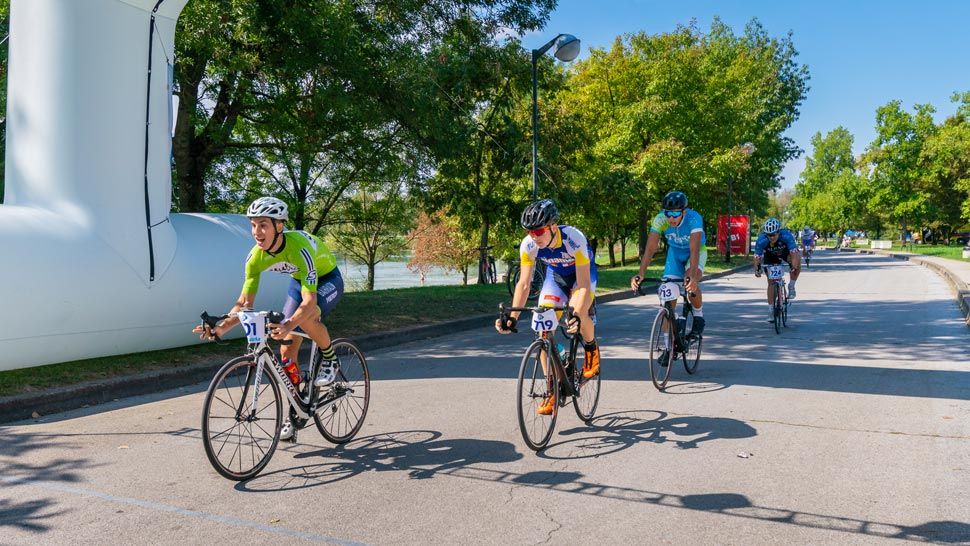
623 251
482 242
370 274
611 243
464 276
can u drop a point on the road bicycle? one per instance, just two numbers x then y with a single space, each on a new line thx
538 277
780 303
668 344
486 266
550 370
242 414
807 255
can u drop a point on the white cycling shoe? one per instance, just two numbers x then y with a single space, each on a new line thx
288 431
327 373
791 292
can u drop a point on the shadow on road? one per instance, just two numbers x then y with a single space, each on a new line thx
617 431
421 453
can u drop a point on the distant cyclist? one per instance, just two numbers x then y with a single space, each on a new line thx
315 288
570 279
686 254
809 237
775 246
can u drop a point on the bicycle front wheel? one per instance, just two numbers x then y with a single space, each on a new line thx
346 400
512 278
536 388
777 308
240 423
587 395
661 339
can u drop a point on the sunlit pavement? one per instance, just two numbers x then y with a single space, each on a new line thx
852 426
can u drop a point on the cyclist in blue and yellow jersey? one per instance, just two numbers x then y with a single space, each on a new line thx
686 255
570 279
315 288
776 245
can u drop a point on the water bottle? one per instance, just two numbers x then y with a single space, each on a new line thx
562 352
291 370
681 325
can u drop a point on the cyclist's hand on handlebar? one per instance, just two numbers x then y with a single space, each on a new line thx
280 331
572 325
506 324
635 282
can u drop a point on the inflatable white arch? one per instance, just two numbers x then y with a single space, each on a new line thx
94 263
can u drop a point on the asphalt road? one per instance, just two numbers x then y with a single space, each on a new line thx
852 426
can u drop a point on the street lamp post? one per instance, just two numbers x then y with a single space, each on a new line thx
747 149
566 48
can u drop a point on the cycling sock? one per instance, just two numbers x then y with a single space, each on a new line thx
328 353
590 346
698 312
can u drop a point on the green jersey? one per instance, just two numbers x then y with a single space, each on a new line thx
303 256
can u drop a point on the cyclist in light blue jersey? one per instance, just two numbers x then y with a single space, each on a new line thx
686 256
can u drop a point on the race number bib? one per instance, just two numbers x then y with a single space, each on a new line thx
668 291
775 272
255 326
545 321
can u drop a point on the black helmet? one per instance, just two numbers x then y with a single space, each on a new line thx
539 214
675 200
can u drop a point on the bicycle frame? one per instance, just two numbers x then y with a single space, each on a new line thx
263 355
548 339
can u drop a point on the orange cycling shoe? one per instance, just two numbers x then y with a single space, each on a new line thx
547 406
591 364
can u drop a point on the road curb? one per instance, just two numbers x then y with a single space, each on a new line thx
59 399
961 291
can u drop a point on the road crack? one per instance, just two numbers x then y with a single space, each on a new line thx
551 520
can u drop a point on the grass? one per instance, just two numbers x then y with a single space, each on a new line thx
953 252
358 313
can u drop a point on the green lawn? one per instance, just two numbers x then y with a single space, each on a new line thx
953 252
358 313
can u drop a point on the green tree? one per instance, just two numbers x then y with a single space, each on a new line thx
894 159
372 224
945 160
673 110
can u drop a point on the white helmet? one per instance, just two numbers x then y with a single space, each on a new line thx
771 226
269 207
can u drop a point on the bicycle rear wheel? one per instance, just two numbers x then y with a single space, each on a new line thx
538 277
339 418
239 431
512 278
534 387
662 335
588 394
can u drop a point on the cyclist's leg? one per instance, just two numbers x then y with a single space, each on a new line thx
587 325
551 295
294 298
794 262
697 298
330 289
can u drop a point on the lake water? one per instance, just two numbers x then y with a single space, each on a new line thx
390 274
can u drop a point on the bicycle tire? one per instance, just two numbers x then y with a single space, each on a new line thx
513 277
784 311
340 421
777 308
538 278
531 390
219 399
692 353
660 375
588 394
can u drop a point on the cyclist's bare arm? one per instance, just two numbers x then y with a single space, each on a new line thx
245 301
653 243
693 269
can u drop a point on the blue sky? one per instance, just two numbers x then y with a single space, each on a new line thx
860 54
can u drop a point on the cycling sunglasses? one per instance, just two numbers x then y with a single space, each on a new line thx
539 232
673 213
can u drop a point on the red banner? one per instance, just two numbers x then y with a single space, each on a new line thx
740 234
